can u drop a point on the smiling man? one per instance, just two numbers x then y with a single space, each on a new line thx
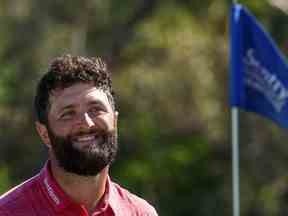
77 121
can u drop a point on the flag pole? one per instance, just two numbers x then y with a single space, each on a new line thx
235 157
235 161
253 50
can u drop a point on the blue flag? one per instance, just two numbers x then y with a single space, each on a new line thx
259 73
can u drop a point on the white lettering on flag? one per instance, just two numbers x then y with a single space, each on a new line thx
262 80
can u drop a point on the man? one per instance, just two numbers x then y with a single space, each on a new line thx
77 121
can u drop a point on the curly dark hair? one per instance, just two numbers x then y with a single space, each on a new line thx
66 71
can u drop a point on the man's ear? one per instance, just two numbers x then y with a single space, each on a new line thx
43 133
116 113
115 126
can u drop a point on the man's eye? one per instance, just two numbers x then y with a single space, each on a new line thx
67 115
96 110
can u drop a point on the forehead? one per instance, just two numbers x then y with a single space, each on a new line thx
76 95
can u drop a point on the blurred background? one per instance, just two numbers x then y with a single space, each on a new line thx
170 69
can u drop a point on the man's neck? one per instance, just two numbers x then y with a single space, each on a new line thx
84 190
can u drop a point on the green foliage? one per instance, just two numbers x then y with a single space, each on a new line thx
7 82
4 179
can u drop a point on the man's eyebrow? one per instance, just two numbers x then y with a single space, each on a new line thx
96 102
70 106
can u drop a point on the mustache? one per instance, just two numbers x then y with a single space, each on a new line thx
89 131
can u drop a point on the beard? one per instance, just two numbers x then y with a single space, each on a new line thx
88 161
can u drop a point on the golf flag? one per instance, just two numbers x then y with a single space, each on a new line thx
258 71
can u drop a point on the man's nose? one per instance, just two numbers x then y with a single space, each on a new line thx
86 120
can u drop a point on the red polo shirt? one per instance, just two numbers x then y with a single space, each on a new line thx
42 196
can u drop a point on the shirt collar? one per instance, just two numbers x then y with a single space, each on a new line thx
59 199
56 196
115 199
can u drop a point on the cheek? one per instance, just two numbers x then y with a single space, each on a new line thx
60 129
107 122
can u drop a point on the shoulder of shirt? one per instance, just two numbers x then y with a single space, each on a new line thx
16 197
142 207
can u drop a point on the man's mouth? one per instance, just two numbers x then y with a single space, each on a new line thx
87 140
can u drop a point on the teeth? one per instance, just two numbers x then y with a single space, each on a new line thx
85 138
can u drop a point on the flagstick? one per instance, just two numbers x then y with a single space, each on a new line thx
235 157
235 161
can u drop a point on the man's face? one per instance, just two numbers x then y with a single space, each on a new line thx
82 129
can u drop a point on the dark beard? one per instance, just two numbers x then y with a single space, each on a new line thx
85 162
